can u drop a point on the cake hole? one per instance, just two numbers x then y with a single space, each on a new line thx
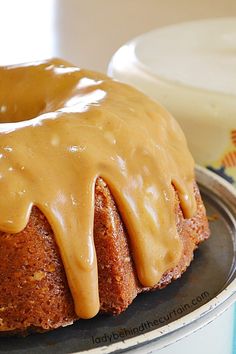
20 111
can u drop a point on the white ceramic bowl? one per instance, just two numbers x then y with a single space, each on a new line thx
190 68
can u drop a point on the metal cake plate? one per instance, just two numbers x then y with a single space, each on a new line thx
205 290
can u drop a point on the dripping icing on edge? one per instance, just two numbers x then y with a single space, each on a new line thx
64 130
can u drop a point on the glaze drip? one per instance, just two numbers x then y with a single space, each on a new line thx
62 128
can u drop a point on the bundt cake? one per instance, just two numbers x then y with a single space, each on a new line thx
97 196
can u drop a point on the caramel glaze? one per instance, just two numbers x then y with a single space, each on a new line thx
62 128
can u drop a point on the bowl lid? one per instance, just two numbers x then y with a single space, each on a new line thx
198 54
